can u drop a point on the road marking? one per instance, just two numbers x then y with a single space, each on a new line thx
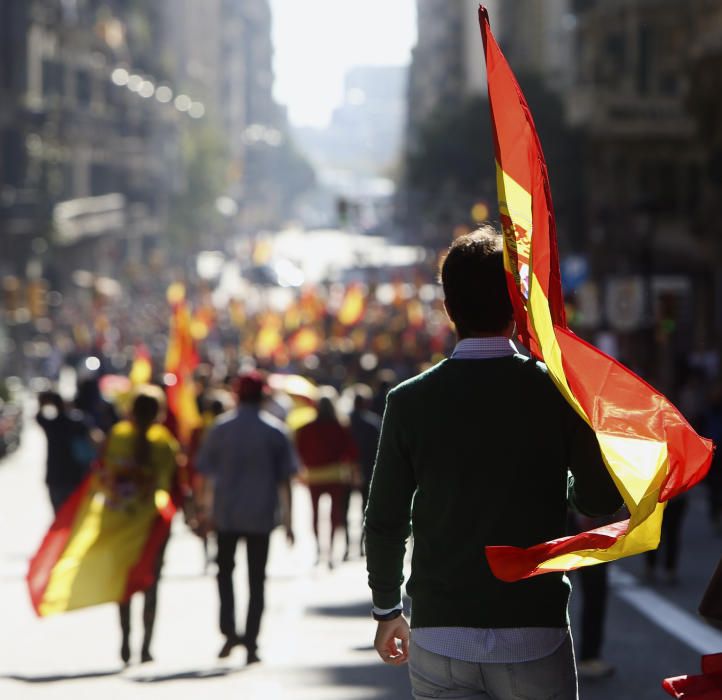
680 624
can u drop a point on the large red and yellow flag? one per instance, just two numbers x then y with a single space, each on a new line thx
96 553
180 362
650 450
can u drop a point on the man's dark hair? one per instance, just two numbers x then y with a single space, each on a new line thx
474 282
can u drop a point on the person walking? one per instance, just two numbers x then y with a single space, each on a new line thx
594 585
247 461
365 428
70 447
329 456
139 459
474 452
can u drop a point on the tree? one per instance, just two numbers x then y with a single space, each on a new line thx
451 165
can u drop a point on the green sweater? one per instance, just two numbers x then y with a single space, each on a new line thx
477 453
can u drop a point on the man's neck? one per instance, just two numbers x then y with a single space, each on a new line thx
459 338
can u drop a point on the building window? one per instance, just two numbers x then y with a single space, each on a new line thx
83 87
52 78
12 158
668 84
645 39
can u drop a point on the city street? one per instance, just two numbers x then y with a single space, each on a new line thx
316 638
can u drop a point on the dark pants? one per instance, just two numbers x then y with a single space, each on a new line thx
257 554
671 532
593 581
150 600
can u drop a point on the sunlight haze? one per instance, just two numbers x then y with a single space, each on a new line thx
317 41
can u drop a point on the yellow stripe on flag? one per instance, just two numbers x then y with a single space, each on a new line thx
102 549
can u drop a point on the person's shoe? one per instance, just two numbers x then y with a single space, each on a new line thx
228 645
594 668
145 656
125 652
252 657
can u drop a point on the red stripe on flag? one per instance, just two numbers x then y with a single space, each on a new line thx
53 545
601 384
519 153
516 563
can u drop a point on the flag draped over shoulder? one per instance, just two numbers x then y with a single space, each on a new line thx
650 450
180 362
96 553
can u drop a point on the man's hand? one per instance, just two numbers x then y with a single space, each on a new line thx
392 641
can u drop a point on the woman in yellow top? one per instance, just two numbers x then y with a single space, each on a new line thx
139 463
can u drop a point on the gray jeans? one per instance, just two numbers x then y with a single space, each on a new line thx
553 677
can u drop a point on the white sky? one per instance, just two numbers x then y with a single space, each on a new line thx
317 41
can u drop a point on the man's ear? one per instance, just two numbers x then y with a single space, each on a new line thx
446 309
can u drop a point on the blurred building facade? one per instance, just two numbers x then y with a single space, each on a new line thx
537 38
704 99
222 49
448 60
646 174
100 102
642 88
447 81
83 161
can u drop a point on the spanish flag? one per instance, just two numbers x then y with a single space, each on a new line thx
353 306
269 340
304 342
650 450
142 369
95 553
180 362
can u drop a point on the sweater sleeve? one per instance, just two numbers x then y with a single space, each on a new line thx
592 491
388 514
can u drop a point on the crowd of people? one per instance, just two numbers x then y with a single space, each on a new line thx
292 394
231 480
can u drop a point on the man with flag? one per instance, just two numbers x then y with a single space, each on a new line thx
495 487
480 444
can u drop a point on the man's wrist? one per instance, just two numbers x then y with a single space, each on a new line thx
389 616
386 614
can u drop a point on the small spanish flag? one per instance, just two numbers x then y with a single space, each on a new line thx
269 340
304 342
353 306
142 369
650 450
180 362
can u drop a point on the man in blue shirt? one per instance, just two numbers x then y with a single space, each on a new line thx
248 461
